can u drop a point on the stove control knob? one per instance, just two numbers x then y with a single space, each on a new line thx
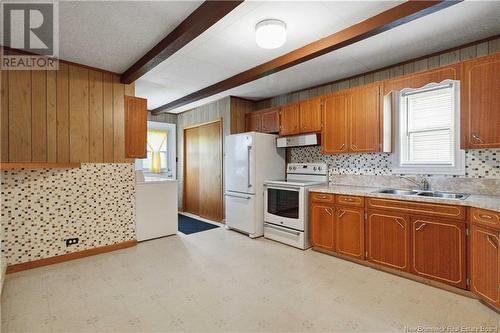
294 168
314 168
319 168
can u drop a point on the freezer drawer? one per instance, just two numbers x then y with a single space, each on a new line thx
241 212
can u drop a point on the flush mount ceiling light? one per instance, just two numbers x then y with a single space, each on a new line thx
270 34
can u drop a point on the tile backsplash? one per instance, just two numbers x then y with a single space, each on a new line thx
482 170
42 208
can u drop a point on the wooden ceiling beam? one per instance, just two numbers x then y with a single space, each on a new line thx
372 26
206 15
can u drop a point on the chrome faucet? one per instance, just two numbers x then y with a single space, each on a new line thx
423 183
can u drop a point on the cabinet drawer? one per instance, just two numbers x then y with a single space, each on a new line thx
485 217
322 197
418 208
349 200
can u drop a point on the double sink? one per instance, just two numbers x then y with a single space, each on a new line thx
428 194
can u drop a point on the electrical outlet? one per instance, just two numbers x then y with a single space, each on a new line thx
71 241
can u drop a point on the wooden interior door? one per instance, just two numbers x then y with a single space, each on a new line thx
322 225
210 171
191 171
364 119
388 239
334 131
439 250
350 231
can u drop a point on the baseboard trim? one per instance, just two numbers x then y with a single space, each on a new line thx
69 256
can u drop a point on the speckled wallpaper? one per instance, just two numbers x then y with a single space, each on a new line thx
481 163
44 207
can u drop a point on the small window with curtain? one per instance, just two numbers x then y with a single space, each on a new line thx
161 148
427 135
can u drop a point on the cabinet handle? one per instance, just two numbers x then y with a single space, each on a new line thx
488 237
484 216
354 146
321 196
477 138
397 221
421 226
348 199
342 147
341 213
327 210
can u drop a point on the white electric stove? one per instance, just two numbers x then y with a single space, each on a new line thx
286 203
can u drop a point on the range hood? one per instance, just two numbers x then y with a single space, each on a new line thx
297 141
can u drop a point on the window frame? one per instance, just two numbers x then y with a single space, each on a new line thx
458 167
171 149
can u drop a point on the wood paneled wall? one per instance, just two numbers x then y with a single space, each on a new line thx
74 114
465 53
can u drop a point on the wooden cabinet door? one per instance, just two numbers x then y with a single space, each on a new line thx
481 102
322 219
290 119
364 119
253 122
191 183
334 131
485 264
388 239
439 250
136 127
271 121
350 231
310 115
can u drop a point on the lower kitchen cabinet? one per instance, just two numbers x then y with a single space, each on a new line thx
439 250
388 239
349 231
322 220
485 264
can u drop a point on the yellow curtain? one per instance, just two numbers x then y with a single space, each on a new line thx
157 139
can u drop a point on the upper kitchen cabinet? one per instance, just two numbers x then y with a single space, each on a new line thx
364 119
334 132
253 122
480 102
310 115
290 119
136 119
351 121
265 121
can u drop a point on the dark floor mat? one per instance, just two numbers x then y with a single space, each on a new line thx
189 225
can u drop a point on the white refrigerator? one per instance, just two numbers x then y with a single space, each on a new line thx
250 159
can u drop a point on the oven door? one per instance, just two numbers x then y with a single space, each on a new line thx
285 206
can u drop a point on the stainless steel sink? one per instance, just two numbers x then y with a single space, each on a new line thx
395 191
444 195
429 194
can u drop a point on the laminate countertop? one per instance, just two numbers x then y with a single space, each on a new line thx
474 200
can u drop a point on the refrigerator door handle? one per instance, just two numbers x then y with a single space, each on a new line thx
249 149
238 196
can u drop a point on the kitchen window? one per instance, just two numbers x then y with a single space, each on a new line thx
161 141
428 130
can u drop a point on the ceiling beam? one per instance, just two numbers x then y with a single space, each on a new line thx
206 15
372 26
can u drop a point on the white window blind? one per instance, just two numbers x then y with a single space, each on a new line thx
428 133
427 127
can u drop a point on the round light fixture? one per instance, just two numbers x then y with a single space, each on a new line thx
270 34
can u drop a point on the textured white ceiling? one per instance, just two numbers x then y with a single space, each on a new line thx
229 47
112 35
